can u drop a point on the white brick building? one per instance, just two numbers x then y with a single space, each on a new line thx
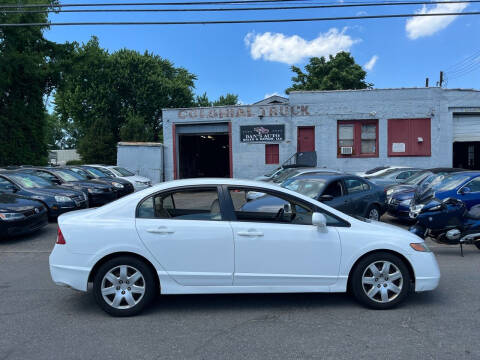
421 127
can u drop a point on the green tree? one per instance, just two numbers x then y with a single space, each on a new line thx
106 97
29 70
228 99
223 100
339 72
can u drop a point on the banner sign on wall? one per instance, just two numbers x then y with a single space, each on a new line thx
262 133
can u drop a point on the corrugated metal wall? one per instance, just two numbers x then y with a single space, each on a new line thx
466 127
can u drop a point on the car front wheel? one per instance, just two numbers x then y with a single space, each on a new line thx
124 286
380 281
373 213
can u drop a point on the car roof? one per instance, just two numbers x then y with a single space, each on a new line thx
326 175
446 170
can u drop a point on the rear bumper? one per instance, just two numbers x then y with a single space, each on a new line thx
75 274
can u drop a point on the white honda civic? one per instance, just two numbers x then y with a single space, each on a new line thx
197 237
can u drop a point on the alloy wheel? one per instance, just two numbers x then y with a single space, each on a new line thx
374 214
382 281
123 287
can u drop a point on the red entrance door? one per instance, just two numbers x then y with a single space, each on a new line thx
306 138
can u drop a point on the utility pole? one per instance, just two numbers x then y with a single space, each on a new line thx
426 82
441 79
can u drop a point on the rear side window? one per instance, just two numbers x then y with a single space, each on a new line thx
188 204
356 185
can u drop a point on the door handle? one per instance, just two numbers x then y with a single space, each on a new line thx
160 230
250 233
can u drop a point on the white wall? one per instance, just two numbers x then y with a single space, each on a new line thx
144 159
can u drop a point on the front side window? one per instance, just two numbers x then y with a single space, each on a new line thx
188 204
335 189
474 185
356 185
274 208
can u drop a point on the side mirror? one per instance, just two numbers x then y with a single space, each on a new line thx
56 182
319 220
287 209
325 198
465 190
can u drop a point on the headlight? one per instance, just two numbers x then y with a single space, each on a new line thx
389 192
422 247
406 202
94 190
117 185
11 216
62 199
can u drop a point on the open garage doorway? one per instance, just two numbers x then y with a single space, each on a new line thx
466 155
203 150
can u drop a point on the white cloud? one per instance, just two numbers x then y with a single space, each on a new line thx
371 63
417 27
272 94
293 49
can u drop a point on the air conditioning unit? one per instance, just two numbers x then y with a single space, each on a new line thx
346 150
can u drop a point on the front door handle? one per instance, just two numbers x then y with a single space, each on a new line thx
160 230
250 233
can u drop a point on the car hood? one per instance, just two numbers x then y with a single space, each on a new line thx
15 203
55 190
401 188
136 178
87 184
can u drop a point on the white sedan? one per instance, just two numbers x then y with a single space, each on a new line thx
194 237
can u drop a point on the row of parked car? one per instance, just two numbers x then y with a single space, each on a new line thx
396 190
30 196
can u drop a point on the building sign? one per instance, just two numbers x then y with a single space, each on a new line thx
244 112
398 147
262 133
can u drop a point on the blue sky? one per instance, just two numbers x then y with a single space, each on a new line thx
253 60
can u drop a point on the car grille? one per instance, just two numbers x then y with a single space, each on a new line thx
34 211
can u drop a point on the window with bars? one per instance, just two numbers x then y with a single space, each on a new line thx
360 135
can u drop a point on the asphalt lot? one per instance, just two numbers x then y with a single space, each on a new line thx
39 320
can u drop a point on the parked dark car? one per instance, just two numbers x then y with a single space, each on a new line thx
57 199
348 193
393 177
122 187
464 186
98 192
19 215
399 197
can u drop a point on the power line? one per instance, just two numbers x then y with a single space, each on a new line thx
234 2
343 5
216 22
464 63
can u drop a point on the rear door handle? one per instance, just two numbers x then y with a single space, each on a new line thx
250 233
160 230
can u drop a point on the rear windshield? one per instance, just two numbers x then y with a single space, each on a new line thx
308 187
285 174
68 175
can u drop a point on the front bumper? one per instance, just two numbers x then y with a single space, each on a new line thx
24 226
426 269
61 208
101 198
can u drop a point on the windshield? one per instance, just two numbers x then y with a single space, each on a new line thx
417 178
270 174
284 174
68 175
374 170
29 181
123 171
451 182
384 174
96 172
81 172
308 187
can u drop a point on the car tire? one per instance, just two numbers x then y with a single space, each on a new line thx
384 288
373 212
124 286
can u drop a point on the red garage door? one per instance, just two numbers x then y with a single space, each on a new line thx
305 138
409 137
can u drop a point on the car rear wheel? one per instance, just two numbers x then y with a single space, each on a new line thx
124 286
380 281
373 212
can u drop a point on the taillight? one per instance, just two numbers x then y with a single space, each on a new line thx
60 238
